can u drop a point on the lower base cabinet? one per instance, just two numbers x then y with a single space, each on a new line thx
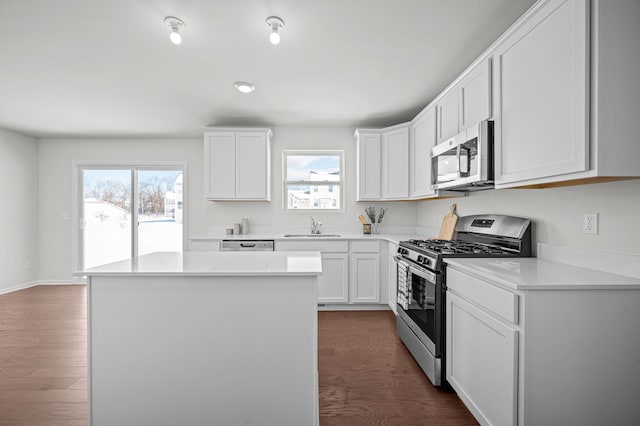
333 284
364 280
547 356
482 356
350 269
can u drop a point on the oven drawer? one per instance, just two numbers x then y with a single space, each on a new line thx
502 303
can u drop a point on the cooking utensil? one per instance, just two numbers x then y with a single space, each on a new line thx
363 220
449 222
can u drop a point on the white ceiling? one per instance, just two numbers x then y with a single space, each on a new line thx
106 68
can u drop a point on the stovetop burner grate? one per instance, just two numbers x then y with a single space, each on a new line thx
457 247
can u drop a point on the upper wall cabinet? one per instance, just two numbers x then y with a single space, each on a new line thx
542 79
383 163
422 139
369 150
237 164
567 84
395 163
466 103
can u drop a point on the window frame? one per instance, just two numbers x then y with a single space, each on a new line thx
315 152
77 243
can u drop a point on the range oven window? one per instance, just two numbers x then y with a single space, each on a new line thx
424 303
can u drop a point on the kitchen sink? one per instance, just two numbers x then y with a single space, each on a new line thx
311 235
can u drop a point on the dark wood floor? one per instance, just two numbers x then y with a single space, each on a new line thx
367 377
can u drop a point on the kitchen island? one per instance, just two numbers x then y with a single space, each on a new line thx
204 338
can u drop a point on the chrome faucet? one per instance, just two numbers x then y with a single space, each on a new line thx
315 226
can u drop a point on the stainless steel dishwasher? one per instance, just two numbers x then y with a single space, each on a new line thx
247 245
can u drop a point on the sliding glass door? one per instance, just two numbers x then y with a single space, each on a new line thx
128 211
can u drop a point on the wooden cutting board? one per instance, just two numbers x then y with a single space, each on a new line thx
448 227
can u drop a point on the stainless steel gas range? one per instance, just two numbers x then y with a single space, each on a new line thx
422 280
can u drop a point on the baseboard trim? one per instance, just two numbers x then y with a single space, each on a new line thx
352 307
18 287
24 286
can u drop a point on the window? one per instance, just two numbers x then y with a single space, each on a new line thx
127 210
313 180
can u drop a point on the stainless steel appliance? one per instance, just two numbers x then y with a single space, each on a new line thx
465 161
422 280
247 245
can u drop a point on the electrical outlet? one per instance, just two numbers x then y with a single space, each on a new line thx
27 265
590 223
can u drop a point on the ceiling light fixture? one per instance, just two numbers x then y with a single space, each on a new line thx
276 24
176 25
244 86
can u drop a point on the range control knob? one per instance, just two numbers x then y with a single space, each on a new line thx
420 259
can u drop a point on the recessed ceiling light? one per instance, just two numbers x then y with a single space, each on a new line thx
244 86
176 25
276 24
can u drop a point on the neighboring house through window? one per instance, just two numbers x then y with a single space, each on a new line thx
313 180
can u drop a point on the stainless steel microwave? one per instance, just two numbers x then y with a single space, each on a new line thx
464 162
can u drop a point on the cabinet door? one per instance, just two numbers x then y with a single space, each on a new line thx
251 165
541 83
482 362
447 110
423 138
333 284
369 166
364 282
475 95
395 164
220 165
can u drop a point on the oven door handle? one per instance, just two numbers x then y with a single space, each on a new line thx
421 272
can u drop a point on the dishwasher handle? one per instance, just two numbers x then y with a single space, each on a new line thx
250 245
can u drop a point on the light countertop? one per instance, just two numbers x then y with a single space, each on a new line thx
537 274
209 263
394 238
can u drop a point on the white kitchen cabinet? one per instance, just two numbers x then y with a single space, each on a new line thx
520 345
333 284
383 163
369 151
395 163
364 272
466 103
482 361
237 164
448 114
350 269
566 80
475 95
422 139
542 107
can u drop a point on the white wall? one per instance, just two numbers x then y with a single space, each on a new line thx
18 209
56 165
222 214
557 213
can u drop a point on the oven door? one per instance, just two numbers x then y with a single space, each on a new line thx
421 301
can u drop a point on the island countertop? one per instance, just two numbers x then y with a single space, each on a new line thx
194 263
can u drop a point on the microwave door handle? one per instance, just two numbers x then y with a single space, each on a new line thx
468 165
458 161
